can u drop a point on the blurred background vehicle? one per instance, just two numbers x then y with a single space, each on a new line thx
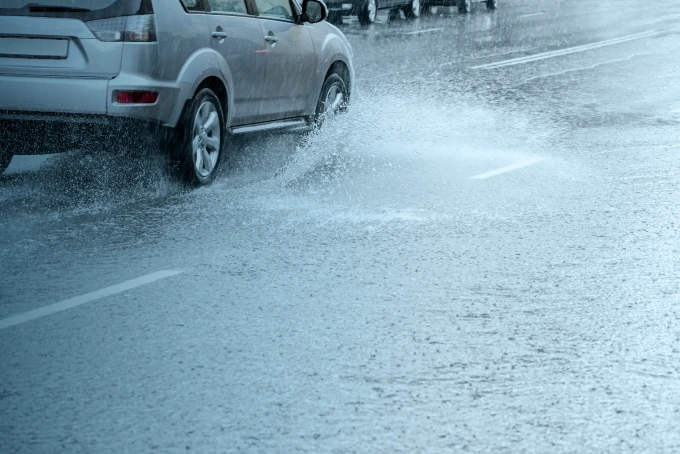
464 6
367 10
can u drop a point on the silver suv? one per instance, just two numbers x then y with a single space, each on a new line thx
192 72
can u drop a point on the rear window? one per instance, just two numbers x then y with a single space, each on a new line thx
76 9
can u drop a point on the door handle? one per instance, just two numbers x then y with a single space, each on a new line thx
271 39
219 34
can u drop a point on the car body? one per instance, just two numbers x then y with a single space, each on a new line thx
75 70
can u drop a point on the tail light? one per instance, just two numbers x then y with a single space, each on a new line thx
139 29
135 97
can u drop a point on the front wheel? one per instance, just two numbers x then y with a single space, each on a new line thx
5 159
412 9
199 139
464 6
368 12
334 98
491 4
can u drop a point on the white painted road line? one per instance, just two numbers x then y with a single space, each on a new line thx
82 299
502 170
530 15
429 30
569 50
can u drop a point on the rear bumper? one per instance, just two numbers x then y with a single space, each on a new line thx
53 94
84 96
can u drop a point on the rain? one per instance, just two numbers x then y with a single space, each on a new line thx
466 241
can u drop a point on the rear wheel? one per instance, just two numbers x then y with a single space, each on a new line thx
464 6
412 9
491 4
5 159
368 12
199 139
334 98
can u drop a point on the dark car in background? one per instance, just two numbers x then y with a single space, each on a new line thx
464 6
367 10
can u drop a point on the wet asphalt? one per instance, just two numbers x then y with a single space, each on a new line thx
481 256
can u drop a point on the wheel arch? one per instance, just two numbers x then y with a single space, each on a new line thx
205 68
339 64
341 68
216 85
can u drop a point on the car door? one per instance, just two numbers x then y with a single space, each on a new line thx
291 60
237 36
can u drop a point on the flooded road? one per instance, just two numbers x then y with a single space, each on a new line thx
482 255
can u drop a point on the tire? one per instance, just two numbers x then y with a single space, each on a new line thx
198 140
464 6
491 4
413 9
334 98
368 12
5 159
425 9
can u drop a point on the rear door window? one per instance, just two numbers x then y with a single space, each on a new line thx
192 5
228 6
275 9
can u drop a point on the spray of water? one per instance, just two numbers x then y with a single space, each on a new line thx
416 126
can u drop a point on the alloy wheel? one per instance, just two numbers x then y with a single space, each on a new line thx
414 9
335 99
372 10
207 139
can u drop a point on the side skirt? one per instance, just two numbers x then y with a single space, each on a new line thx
289 125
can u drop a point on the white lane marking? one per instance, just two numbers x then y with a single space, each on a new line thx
82 299
519 165
526 59
568 50
429 30
525 49
586 68
530 15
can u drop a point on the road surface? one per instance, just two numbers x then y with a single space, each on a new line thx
481 256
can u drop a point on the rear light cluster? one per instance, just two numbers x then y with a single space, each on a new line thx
135 97
139 29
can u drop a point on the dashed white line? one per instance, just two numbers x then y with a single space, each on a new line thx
510 168
525 49
586 68
530 15
569 50
429 30
82 299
